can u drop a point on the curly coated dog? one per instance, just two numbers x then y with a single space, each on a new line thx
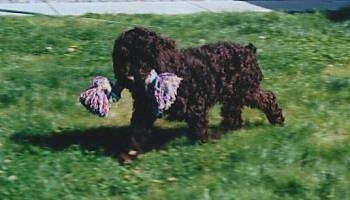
225 73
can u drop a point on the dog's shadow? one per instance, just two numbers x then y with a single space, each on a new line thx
109 141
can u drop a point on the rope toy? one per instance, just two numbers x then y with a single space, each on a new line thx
96 97
162 90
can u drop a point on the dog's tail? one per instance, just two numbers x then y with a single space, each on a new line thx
251 47
256 70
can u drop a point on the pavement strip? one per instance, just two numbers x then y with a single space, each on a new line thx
60 8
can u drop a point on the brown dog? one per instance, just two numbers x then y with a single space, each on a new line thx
225 73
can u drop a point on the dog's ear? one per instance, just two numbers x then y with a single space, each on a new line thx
251 47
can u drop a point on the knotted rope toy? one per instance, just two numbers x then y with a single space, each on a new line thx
162 90
98 97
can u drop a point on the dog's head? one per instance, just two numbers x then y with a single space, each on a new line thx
136 52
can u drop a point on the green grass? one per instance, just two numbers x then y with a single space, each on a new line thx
305 59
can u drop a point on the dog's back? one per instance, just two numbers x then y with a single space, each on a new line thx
218 67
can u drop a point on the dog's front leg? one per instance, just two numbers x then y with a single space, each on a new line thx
143 116
197 120
137 142
141 127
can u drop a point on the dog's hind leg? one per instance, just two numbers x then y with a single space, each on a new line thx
197 120
266 102
231 112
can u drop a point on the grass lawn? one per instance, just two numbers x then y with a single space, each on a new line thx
305 59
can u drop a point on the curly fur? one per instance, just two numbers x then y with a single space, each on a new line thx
225 73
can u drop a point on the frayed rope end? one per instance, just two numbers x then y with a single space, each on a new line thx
96 97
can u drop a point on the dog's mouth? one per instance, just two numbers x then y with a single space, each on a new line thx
115 93
130 78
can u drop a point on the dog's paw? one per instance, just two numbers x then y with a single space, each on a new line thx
127 158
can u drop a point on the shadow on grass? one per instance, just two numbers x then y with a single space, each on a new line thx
109 141
340 15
